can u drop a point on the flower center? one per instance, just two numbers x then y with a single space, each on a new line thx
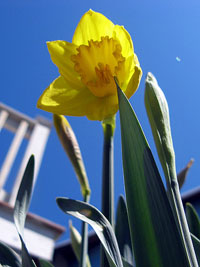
97 63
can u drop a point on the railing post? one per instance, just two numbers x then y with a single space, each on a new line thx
3 118
35 146
12 152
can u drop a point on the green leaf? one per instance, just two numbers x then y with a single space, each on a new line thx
122 231
196 244
23 196
44 263
158 114
126 263
193 220
21 208
154 233
100 224
26 258
76 241
8 257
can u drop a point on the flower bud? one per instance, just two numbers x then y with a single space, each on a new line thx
158 114
71 147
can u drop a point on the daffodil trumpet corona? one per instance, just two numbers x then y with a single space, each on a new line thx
99 51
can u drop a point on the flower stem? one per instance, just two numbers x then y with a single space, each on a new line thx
107 181
107 178
175 197
84 243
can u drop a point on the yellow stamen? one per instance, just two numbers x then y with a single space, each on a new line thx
98 63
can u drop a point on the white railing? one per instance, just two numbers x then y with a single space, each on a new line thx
36 131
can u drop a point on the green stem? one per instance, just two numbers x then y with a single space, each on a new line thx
84 243
107 177
175 196
107 181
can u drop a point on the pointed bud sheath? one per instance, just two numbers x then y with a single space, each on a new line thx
183 173
71 147
158 114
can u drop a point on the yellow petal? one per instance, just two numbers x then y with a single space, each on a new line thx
124 39
136 61
134 82
125 72
61 52
62 98
92 26
101 108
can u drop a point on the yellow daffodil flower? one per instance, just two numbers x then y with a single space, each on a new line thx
99 52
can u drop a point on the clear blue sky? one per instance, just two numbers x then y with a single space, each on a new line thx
161 31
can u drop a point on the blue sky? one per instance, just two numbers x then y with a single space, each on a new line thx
161 32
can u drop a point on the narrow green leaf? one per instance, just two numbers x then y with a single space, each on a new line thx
158 114
100 224
21 208
193 220
196 244
154 233
23 196
8 257
84 239
122 231
44 263
76 241
127 264
26 258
